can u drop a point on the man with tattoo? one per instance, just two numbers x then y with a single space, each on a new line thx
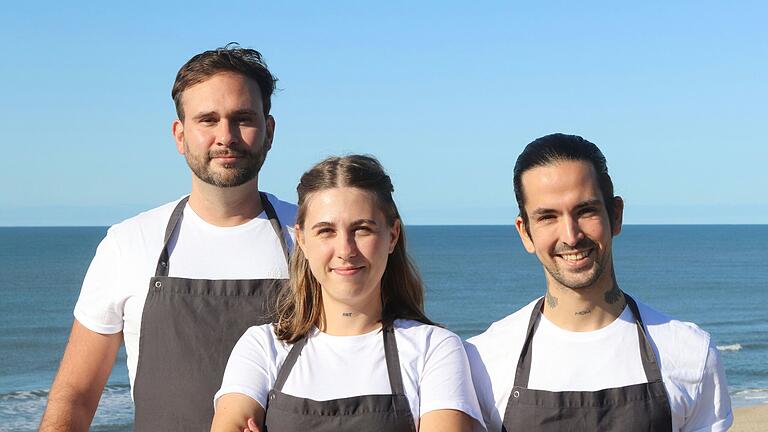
587 356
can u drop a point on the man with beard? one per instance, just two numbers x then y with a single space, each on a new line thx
182 282
586 356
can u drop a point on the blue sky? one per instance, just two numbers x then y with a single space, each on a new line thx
445 93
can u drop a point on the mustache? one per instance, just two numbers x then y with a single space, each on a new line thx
230 152
582 244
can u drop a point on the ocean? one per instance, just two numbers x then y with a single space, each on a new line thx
713 275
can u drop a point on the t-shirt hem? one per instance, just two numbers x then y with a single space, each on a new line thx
721 426
95 326
452 405
236 389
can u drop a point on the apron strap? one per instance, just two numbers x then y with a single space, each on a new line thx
523 371
275 221
647 356
393 360
390 355
162 262
290 361
178 211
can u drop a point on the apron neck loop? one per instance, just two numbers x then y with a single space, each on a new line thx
647 355
163 261
390 355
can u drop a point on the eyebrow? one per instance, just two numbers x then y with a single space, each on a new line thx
240 112
355 223
586 203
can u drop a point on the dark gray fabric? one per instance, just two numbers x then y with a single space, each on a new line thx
188 329
370 413
635 408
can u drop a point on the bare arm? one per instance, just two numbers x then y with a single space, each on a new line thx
233 411
83 372
446 420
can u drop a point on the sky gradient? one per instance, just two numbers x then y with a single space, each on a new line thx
446 94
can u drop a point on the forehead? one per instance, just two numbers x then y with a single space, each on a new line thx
342 203
223 89
559 184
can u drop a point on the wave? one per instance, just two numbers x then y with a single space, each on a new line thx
21 410
732 347
43 393
748 397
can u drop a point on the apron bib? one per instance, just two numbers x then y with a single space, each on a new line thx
188 329
369 413
634 408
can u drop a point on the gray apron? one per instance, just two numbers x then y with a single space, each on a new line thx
634 408
188 329
369 413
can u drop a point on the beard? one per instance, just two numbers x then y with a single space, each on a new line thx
579 279
242 171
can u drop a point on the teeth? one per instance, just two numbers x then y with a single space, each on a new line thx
576 256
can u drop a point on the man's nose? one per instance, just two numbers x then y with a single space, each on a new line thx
227 133
571 231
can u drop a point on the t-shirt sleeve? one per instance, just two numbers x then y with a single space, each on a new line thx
446 382
100 305
712 409
249 367
483 387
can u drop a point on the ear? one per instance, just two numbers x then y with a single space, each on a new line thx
269 133
177 129
394 235
618 214
524 237
299 236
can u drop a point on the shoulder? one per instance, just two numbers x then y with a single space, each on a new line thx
286 211
419 331
672 336
503 333
148 222
417 339
683 347
260 341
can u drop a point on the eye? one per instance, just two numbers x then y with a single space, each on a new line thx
545 218
588 211
208 120
247 120
363 230
324 232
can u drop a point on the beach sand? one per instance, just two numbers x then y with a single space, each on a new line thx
750 419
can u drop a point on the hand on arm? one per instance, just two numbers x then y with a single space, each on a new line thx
237 412
83 372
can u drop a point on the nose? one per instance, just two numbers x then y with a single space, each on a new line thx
227 133
346 247
571 231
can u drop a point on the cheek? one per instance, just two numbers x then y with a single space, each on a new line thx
252 135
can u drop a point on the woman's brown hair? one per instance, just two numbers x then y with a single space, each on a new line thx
300 304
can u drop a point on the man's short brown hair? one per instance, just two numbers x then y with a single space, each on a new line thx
230 58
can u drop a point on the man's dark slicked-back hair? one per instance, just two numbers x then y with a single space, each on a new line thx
559 147
230 58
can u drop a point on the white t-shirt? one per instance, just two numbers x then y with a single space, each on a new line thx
116 284
432 361
606 358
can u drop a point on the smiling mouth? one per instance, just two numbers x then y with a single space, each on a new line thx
576 257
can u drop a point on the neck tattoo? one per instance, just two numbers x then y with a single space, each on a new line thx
551 300
346 314
614 295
